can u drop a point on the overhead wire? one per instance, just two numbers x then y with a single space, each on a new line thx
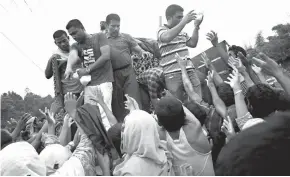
21 51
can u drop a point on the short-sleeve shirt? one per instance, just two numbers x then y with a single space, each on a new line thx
89 51
121 49
154 81
168 50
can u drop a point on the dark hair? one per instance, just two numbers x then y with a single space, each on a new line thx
103 25
264 100
59 33
213 125
259 150
112 17
114 134
226 94
196 110
172 9
170 113
6 138
237 49
75 23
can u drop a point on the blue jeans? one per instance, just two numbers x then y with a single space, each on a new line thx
174 84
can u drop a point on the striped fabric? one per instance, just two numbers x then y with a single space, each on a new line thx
168 50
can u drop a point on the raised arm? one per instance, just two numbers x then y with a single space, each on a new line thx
65 134
207 62
243 114
260 74
167 36
186 81
213 38
272 68
72 60
217 101
192 42
237 63
249 68
100 99
20 125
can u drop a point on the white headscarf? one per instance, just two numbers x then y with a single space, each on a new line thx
142 147
252 122
141 138
21 159
54 155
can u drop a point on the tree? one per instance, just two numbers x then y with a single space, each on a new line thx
14 106
260 41
278 46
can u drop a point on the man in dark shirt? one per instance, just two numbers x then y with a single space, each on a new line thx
122 45
94 52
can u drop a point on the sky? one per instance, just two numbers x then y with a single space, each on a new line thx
29 24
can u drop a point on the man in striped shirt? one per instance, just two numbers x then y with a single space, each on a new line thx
172 40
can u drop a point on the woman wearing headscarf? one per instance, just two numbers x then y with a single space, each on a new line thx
143 154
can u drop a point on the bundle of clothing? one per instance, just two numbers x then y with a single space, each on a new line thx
142 64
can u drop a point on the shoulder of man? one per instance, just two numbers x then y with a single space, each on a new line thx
161 28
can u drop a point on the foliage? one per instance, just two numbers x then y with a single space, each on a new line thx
13 106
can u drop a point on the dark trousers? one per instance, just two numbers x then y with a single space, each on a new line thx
125 83
174 84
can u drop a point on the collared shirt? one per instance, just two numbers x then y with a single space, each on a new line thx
154 81
168 50
121 49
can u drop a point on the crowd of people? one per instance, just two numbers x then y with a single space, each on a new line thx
134 106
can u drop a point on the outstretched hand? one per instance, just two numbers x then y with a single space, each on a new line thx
67 120
268 65
206 61
209 79
228 128
49 115
233 79
212 37
70 103
23 120
189 17
181 62
131 104
198 20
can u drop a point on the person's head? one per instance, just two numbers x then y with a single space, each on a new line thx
61 39
114 133
54 156
103 26
170 113
226 94
174 15
261 100
262 149
21 159
140 136
113 24
76 30
6 138
197 111
234 50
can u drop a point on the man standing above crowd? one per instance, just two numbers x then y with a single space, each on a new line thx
172 40
124 75
94 52
56 67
